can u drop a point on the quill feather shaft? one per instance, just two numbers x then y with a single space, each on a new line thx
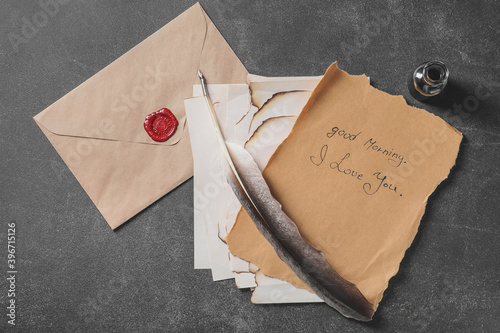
282 233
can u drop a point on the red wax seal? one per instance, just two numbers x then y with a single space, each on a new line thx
161 125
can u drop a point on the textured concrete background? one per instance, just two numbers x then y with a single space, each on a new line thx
76 275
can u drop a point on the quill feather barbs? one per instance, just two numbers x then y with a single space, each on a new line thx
281 232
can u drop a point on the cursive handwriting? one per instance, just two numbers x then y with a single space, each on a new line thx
381 183
342 133
338 166
322 155
342 166
394 158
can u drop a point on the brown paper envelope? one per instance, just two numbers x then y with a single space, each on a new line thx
98 130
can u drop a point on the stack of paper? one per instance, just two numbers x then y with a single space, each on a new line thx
352 167
258 116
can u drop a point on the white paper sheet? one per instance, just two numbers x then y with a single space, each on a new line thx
211 193
261 130
209 184
271 290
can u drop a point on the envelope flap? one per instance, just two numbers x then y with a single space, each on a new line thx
157 73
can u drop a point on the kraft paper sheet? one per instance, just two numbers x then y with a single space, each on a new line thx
354 175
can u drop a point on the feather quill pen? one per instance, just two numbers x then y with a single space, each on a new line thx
281 232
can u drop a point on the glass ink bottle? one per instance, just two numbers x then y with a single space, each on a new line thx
428 80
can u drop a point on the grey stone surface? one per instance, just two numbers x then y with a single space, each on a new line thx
76 275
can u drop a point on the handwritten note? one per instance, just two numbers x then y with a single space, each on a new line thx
371 183
354 174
